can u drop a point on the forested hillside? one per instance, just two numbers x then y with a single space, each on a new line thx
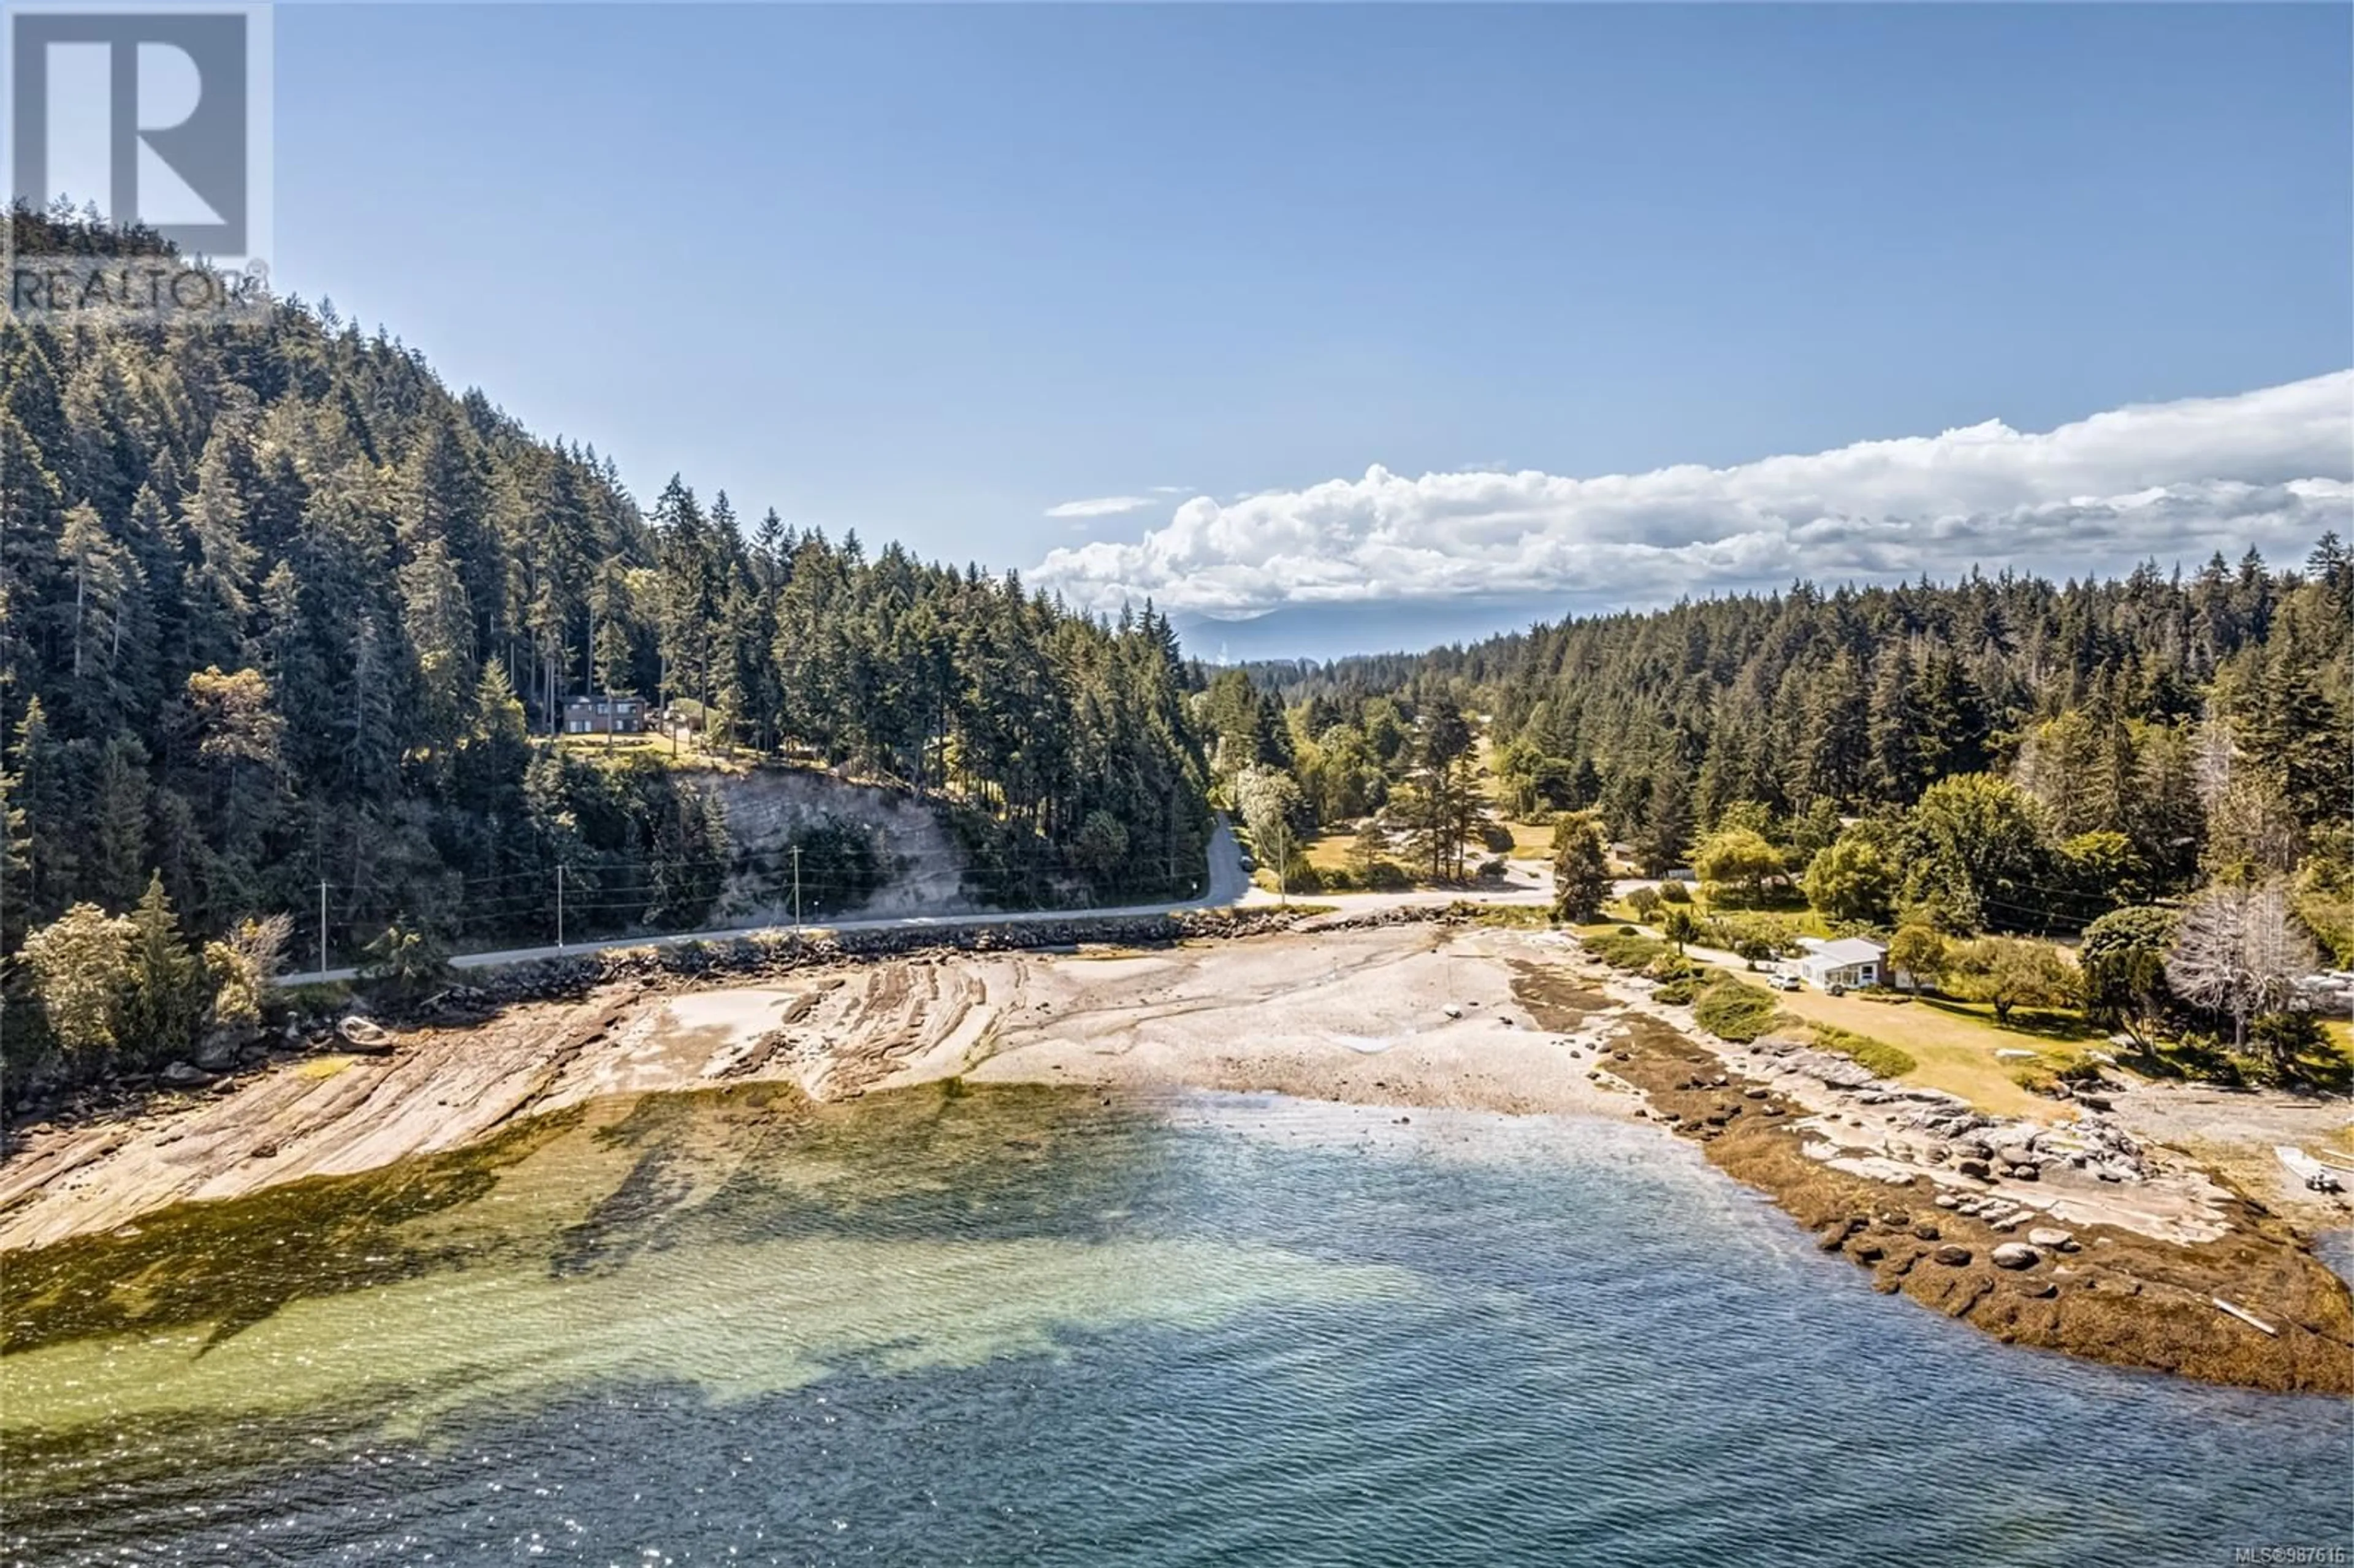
280 610
2013 753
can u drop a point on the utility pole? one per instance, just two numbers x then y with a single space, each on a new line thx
560 906
797 890
322 927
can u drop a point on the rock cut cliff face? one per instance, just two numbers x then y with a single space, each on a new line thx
768 809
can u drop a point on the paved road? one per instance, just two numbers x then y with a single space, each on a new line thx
1229 884
1525 883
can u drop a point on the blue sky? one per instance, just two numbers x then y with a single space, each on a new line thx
933 273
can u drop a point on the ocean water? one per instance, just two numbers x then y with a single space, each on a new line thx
1033 1326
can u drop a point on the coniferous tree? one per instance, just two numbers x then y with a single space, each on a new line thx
1667 830
166 981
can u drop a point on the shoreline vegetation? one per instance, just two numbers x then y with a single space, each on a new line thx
2086 1235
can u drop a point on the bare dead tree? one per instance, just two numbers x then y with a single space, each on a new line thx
262 944
2240 950
2215 765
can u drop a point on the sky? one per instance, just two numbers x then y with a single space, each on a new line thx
1248 307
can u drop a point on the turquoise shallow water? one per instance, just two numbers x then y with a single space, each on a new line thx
1030 1326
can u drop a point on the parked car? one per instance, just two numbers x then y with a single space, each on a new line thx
1783 981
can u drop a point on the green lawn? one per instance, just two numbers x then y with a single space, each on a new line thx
2341 1035
1953 1042
1329 852
685 757
1531 841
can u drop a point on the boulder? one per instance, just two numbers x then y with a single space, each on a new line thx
365 1035
186 1076
1925 1230
2016 1254
221 1049
2055 1240
1951 1256
1976 1168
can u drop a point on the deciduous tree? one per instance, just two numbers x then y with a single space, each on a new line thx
1738 857
1850 881
2123 958
82 969
2012 972
1921 954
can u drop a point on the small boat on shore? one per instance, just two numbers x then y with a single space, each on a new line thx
2316 1176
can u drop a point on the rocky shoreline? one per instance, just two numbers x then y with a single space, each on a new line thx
217 1065
837 1024
2074 1238
2082 1234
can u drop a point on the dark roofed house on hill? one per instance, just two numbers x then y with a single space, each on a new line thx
604 716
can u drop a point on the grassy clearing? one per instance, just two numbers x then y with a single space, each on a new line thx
1531 841
1952 1044
687 757
1933 1041
1875 1055
1329 852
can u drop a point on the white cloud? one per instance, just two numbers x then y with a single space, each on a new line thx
1101 507
2272 468
1171 489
